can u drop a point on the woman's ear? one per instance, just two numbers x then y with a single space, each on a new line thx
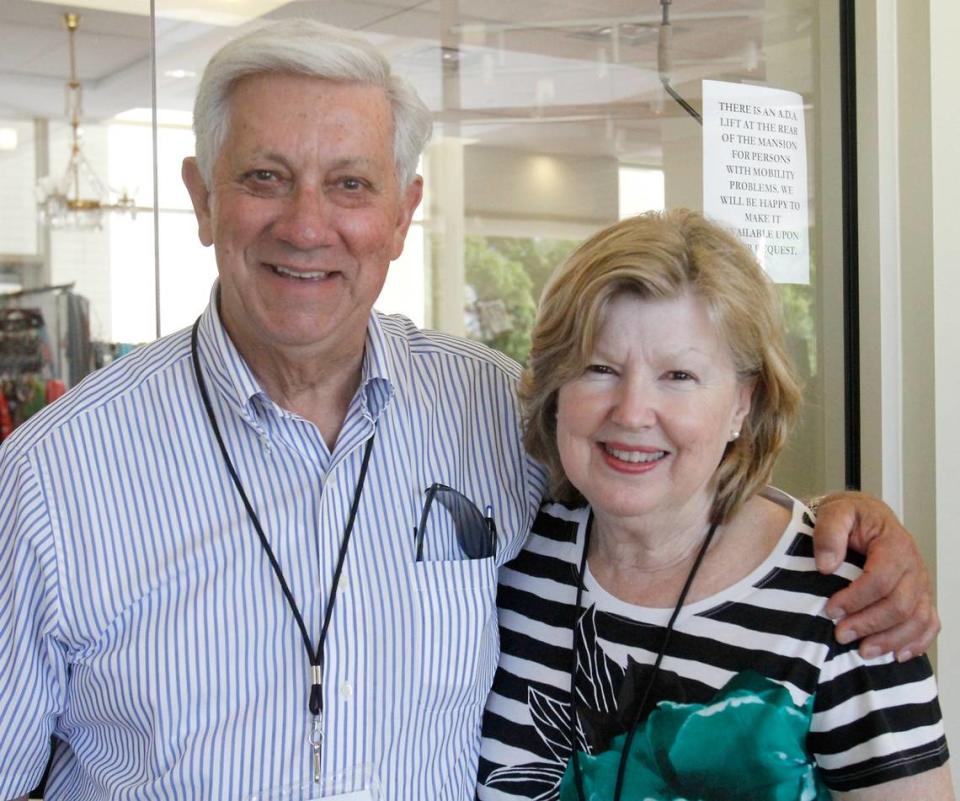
743 405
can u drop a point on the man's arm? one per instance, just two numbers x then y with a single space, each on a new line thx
934 785
891 605
33 663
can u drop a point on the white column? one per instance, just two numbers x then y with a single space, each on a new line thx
945 129
879 234
909 165
443 170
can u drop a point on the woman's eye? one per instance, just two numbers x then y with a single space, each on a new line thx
680 375
600 369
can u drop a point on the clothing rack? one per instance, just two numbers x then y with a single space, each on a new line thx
66 318
38 290
21 342
44 348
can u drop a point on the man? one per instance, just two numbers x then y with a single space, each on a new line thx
222 576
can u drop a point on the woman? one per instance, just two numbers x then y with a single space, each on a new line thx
673 590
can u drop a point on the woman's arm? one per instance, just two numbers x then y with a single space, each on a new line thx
932 785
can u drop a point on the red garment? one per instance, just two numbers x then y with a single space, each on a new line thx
6 419
55 389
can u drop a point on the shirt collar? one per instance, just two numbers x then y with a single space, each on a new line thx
383 367
381 372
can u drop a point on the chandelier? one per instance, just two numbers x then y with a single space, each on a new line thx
79 199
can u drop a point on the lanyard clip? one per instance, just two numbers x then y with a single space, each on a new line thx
315 739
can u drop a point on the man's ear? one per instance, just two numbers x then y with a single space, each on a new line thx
410 198
200 197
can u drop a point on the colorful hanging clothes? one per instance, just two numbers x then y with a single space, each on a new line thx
6 418
55 389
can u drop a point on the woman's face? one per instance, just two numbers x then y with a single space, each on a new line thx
642 429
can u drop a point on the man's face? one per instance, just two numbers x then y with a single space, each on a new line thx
305 212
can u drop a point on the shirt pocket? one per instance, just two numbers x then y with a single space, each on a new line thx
456 641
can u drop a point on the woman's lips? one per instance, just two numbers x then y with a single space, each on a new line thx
631 459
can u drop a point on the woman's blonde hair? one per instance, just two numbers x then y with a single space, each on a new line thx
662 256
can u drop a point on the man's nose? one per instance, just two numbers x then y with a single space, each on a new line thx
305 219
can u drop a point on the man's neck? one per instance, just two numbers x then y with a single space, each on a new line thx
313 382
321 396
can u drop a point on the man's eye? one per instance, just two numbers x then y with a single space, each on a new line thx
261 180
352 184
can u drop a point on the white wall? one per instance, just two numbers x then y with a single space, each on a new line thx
909 165
945 67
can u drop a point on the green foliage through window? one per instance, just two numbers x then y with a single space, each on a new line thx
505 277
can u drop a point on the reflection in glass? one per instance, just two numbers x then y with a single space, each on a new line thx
550 123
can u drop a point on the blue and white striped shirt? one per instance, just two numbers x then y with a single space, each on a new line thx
141 624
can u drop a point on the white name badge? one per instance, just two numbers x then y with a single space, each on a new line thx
335 787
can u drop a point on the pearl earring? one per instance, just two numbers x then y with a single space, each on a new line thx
733 436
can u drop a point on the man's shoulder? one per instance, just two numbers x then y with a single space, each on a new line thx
121 380
428 345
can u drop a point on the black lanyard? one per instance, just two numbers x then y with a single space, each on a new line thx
314 655
622 767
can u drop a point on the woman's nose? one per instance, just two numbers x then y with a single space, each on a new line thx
635 405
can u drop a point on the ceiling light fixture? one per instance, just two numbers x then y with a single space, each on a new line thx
61 204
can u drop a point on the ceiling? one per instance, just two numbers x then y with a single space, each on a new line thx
568 76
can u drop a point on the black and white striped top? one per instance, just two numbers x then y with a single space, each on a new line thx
873 720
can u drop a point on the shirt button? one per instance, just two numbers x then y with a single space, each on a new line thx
346 690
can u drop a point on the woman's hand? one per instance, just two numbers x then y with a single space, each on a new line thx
891 605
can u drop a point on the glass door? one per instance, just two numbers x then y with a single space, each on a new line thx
552 121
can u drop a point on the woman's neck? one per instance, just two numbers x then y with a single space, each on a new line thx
653 541
648 566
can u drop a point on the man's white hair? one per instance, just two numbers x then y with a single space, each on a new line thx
306 47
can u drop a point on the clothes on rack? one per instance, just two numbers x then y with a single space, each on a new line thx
106 352
66 322
27 380
24 347
45 347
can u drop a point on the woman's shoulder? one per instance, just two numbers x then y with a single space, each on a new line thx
751 543
793 553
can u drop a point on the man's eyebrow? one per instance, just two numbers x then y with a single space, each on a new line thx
266 155
338 164
352 161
